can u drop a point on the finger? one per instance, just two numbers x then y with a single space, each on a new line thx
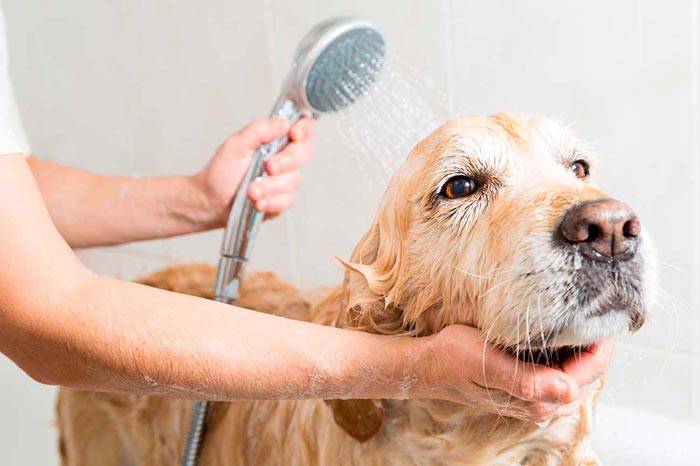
499 402
538 412
541 412
590 364
274 185
533 382
587 390
275 205
302 129
259 132
568 409
292 157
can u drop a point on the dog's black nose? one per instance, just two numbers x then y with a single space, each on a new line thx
603 229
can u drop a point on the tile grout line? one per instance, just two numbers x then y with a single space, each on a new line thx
449 55
273 61
695 196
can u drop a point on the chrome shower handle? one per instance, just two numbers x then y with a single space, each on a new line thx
244 218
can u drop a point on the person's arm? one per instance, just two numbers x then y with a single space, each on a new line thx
64 325
90 209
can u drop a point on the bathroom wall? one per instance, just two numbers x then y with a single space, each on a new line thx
152 88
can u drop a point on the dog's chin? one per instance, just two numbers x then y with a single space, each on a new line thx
609 301
581 335
583 331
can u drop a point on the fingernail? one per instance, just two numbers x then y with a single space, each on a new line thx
261 204
566 391
543 424
595 385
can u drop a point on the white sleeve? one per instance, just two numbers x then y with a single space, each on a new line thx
12 138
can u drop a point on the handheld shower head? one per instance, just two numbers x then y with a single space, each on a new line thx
335 63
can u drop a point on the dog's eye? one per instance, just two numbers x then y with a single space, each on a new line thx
580 168
459 186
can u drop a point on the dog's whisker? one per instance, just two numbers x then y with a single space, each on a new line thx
517 358
498 285
543 343
483 370
674 267
528 343
674 309
491 274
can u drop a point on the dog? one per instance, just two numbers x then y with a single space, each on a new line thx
493 222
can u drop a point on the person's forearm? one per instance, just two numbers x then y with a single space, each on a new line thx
65 325
121 336
91 209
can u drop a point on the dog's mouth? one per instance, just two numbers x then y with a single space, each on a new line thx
552 357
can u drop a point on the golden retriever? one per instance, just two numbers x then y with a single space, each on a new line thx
491 222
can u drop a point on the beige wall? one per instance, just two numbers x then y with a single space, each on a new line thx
152 86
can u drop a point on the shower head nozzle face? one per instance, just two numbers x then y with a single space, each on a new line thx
336 63
345 70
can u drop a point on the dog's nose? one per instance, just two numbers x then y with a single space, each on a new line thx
603 229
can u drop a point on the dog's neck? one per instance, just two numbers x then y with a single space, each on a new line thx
430 429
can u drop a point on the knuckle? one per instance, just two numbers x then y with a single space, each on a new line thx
261 127
256 126
230 142
260 185
526 388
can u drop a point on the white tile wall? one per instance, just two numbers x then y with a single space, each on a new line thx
152 87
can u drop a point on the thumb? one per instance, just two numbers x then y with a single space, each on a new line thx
260 132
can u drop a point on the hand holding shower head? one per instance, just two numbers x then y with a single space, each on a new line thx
335 63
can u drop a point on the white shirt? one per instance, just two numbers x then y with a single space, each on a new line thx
12 138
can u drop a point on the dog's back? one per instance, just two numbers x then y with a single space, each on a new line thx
483 226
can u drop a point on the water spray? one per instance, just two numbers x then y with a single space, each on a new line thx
335 63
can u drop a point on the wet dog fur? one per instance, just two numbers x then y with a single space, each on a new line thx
489 259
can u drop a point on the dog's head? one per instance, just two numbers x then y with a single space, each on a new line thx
497 223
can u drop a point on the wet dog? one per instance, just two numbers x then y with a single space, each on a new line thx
491 222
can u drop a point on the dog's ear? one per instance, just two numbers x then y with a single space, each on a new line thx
372 288
374 277
369 277
361 419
